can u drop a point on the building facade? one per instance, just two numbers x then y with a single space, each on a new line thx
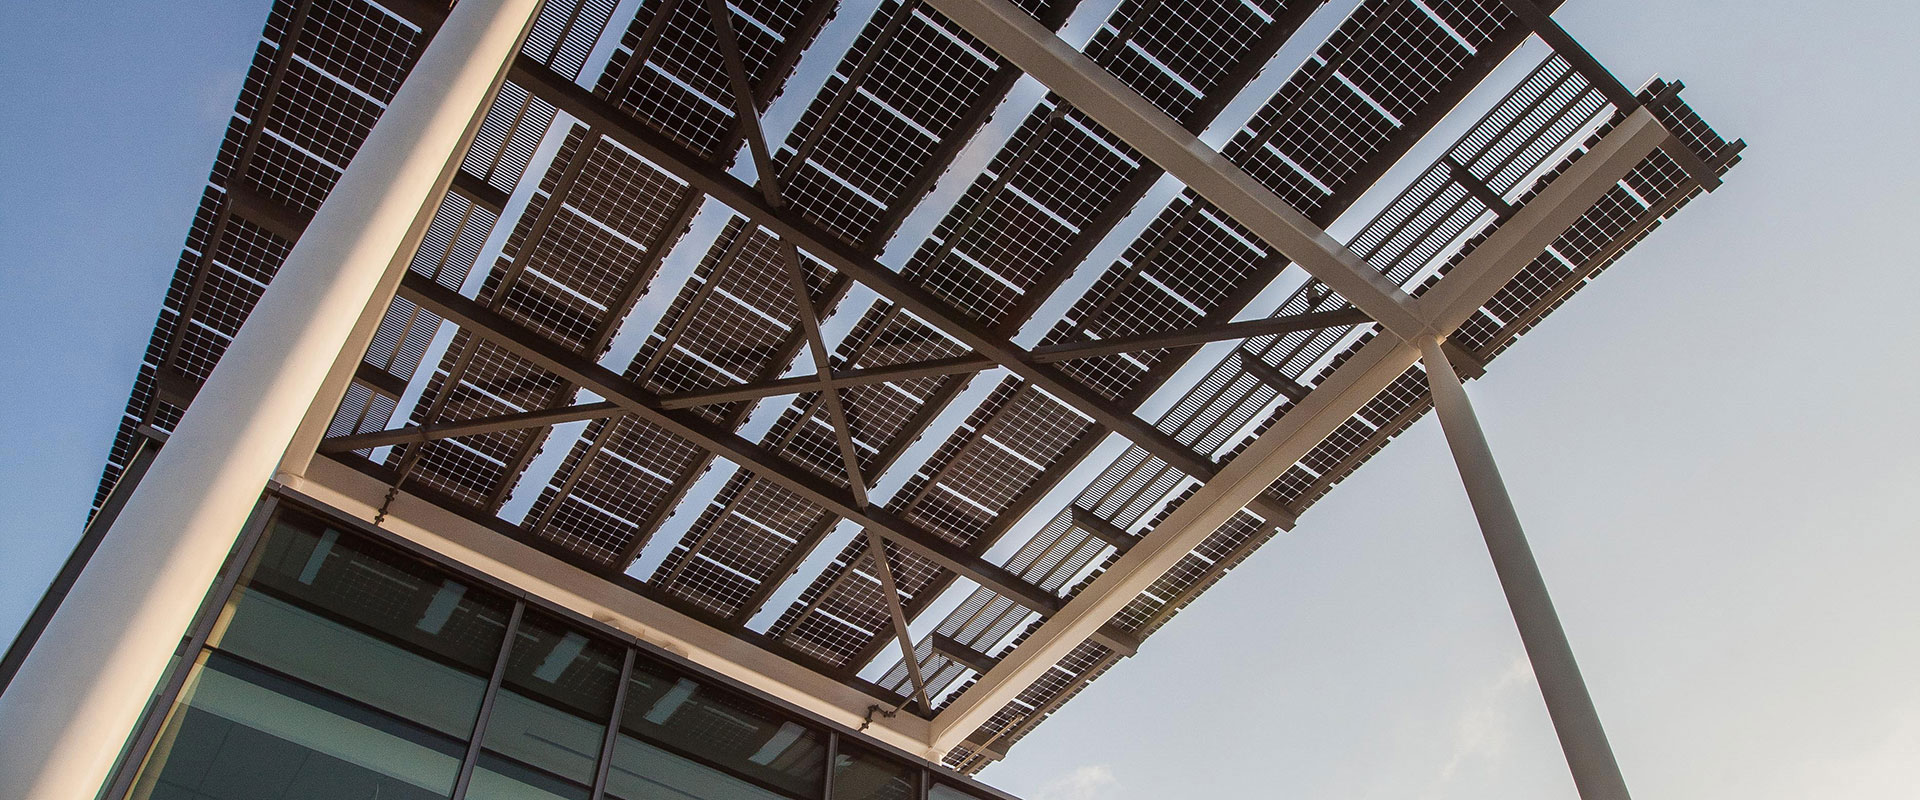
342 663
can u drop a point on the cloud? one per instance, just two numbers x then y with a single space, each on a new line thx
1482 732
1884 769
1091 782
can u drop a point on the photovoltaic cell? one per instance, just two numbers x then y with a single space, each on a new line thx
1544 102
910 91
1047 198
299 105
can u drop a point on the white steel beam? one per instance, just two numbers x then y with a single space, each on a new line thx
484 550
85 684
1094 91
1596 775
1377 364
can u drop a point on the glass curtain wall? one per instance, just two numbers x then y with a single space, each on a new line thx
343 668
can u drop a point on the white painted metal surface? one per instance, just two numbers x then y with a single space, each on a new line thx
1352 385
1595 772
85 684
466 542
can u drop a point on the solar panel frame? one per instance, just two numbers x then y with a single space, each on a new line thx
593 235
1365 26
1383 418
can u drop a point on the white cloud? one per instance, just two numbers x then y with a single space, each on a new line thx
1485 727
1090 782
1886 769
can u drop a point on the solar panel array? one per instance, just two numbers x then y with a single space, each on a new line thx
321 74
1494 169
561 227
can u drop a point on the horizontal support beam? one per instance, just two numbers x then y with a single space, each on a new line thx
280 219
338 487
947 646
584 372
988 747
1114 638
380 380
1045 354
840 379
784 223
484 194
1352 385
472 427
1244 329
1543 25
1267 374
1548 29
1100 529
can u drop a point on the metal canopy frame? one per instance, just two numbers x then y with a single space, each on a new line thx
1069 592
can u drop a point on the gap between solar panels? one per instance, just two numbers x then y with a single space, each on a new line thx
990 350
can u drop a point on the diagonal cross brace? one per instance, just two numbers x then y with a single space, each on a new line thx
893 373
636 400
1355 382
855 263
1120 109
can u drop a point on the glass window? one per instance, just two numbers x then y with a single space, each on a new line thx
339 668
859 774
681 738
941 791
241 731
344 668
549 720
373 625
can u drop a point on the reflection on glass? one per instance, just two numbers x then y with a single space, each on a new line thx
941 791
243 732
861 775
339 669
377 627
641 771
544 735
343 669
689 736
497 778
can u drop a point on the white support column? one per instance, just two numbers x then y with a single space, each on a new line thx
85 684
1370 370
1595 773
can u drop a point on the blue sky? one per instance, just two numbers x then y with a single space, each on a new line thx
1710 447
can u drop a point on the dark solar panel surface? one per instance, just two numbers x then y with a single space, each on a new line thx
1190 266
562 230
321 74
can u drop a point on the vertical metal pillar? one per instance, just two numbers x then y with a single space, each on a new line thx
1595 773
85 684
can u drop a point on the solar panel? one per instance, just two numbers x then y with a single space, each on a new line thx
559 225
321 73
1191 266
1551 101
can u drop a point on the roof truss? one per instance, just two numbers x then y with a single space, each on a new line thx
1356 289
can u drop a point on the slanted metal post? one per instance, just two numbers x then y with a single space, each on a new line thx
1595 773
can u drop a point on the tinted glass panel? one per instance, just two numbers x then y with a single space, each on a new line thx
549 720
707 725
643 771
940 791
497 778
372 625
861 775
242 732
